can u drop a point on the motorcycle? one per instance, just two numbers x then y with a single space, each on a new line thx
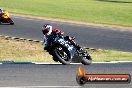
64 52
5 17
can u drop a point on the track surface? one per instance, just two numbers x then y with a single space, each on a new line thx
87 36
19 75
15 75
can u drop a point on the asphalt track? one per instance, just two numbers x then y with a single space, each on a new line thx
87 36
57 76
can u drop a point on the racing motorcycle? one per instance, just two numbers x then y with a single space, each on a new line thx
65 52
5 17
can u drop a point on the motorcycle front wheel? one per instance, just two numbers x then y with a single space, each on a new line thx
62 54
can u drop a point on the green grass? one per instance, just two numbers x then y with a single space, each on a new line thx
110 55
27 51
95 11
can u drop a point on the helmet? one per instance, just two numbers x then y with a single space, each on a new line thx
47 29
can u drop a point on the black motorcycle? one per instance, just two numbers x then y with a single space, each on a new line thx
5 17
65 52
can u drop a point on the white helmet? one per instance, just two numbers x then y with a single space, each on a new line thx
47 29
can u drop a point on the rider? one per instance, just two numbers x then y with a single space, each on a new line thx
0 14
47 30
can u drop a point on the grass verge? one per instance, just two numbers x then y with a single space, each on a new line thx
27 51
22 51
115 12
110 55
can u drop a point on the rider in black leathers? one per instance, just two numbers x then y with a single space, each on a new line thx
47 30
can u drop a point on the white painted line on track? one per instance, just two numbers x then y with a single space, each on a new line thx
92 62
123 61
43 87
113 62
54 63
